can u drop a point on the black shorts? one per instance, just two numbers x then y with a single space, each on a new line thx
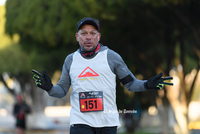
85 129
21 124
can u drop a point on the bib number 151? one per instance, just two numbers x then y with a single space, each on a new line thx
91 103
94 104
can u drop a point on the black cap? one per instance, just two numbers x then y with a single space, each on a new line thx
90 21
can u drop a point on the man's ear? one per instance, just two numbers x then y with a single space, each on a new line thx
99 36
77 37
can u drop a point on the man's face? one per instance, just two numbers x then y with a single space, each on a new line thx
88 37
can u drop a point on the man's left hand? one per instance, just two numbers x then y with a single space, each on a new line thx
158 82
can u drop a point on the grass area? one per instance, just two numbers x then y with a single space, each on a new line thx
138 133
149 130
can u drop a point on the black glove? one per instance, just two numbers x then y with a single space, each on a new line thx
42 80
157 82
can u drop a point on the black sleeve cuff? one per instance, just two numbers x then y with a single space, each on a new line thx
145 85
126 79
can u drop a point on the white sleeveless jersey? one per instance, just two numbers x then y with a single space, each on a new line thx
93 75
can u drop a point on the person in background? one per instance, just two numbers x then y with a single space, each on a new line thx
20 110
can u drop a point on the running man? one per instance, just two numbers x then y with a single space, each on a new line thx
91 71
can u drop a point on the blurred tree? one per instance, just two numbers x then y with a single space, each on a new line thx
5 40
150 34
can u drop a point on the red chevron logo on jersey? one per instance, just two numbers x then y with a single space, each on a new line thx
88 72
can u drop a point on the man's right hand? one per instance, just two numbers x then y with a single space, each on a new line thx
42 80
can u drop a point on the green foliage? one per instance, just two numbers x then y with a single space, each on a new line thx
11 57
145 28
160 3
4 39
13 60
49 23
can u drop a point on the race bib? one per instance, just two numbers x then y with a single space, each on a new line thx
91 101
